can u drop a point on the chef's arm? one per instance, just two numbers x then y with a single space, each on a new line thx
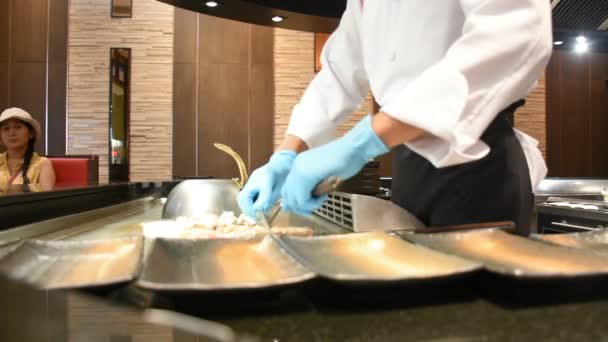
293 143
394 132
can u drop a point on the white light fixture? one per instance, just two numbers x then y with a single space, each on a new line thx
558 42
581 39
277 19
581 47
211 4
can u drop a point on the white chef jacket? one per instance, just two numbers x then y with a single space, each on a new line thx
447 67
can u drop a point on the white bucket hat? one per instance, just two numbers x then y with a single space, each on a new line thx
20 114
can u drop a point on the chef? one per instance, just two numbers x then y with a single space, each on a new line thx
447 74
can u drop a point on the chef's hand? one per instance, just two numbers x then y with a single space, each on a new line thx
264 186
343 158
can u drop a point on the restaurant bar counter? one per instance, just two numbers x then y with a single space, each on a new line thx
56 294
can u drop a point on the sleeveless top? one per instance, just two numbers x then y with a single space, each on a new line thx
33 173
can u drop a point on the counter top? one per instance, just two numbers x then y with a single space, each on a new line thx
484 307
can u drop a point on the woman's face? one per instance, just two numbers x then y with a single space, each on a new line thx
15 134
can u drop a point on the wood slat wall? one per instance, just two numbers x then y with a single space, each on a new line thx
294 61
531 118
92 32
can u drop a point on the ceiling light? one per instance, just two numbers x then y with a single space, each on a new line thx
581 47
558 42
211 4
277 19
581 39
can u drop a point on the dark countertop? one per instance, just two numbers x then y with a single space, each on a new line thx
20 206
482 307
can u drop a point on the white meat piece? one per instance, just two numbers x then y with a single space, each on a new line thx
227 218
165 229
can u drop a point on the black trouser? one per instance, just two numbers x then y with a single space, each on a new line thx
494 188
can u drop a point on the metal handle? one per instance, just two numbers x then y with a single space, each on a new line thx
327 186
568 225
240 182
507 226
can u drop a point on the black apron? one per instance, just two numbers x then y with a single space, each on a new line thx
494 188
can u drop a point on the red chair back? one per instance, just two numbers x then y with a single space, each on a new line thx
72 171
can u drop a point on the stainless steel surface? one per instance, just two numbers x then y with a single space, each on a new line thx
599 204
70 264
196 197
373 257
367 213
219 264
573 226
120 220
556 186
319 225
514 255
596 240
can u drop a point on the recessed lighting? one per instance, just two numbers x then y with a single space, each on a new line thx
558 42
277 19
211 4
581 39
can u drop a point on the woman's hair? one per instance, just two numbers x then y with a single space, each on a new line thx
29 153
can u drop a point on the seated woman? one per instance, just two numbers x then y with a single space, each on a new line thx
20 164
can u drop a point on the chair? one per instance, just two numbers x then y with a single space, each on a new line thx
75 170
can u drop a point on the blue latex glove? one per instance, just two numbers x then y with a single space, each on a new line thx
264 186
343 158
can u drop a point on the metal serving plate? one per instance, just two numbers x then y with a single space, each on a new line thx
71 264
221 264
373 257
596 240
514 255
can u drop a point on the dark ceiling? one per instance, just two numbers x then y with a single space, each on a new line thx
584 15
322 15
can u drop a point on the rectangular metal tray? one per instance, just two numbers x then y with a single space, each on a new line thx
373 257
62 264
219 264
515 255
596 240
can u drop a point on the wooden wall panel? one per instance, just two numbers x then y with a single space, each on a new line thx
4 86
33 70
4 31
92 32
57 76
576 122
28 91
261 96
234 100
186 29
223 41
599 114
577 115
184 120
260 122
185 97
4 52
29 30
223 114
